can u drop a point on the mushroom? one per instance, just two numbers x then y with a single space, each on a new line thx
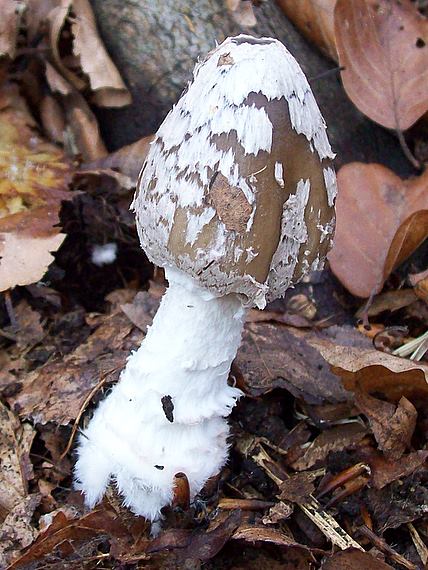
236 201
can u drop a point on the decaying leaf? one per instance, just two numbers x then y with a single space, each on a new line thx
315 19
30 330
384 472
392 426
88 52
392 219
15 465
376 372
66 537
297 488
382 46
274 357
34 177
334 439
127 160
56 391
81 124
16 531
242 12
9 22
353 559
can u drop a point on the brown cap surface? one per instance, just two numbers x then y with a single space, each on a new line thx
237 189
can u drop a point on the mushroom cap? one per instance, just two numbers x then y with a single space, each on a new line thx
237 189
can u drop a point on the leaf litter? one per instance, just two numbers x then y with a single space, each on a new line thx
329 446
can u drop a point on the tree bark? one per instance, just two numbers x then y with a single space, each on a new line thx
156 44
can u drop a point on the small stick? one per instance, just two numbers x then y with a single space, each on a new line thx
313 510
10 311
383 546
406 150
83 408
419 543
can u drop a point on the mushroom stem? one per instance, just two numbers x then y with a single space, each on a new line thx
167 412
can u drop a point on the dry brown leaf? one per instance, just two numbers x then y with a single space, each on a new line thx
30 330
242 12
56 391
382 44
315 19
128 160
334 439
252 533
297 488
88 53
392 426
9 23
388 301
376 372
275 357
420 284
84 127
34 177
52 118
66 537
392 219
384 472
353 559
16 531
15 465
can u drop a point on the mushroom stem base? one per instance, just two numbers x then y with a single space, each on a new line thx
167 412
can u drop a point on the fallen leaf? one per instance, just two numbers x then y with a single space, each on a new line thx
88 52
388 301
297 488
30 330
196 545
128 160
242 12
376 372
273 357
337 438
57 390
16 531
384 472
279 512
15 464
392 219
399 502
353 559
262 534
315 19
420 284
65 537
52 117
9 23
84 127
141 310
34 178
392 426
81 122
382 46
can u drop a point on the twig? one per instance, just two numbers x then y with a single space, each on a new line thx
83 408
406 150
383 546
10 311
419 543
313 510
325 74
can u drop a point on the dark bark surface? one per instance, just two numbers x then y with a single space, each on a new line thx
155 46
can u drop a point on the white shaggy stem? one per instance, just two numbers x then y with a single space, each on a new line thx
167 412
